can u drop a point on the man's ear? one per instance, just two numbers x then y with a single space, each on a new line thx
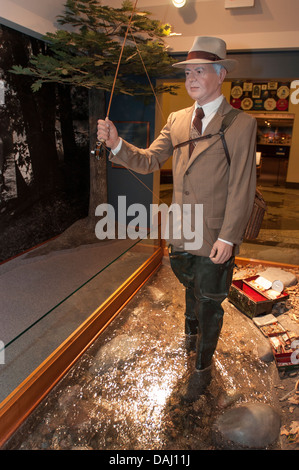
222 74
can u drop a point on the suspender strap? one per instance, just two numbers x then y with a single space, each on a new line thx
202 137
227 120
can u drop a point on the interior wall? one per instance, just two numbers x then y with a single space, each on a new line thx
268 25
293 167
292 178
137 188
33 17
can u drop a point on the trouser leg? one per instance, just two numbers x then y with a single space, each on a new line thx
207 285
211 287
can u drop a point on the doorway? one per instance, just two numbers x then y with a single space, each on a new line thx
274 139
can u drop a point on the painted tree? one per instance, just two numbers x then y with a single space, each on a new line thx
86 52
24 111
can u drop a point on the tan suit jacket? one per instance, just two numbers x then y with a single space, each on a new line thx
226 192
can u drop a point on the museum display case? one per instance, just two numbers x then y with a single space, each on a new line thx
39 355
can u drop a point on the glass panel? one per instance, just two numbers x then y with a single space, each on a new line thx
32 332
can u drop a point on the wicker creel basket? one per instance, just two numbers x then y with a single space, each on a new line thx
256 218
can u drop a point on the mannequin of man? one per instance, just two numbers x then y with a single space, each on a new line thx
201 175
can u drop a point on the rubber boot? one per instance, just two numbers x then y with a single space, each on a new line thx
197 384
210 321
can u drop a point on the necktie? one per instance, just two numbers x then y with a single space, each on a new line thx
196 128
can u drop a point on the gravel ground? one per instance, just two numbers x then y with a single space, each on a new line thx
123 394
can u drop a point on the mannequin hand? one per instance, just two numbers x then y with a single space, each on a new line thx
107 131
221 252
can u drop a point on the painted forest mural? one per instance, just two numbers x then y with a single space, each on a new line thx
44 151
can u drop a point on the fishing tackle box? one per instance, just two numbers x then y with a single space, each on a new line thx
251 300
284 345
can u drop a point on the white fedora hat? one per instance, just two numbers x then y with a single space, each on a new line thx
208 50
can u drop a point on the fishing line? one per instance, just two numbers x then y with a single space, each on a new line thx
101 143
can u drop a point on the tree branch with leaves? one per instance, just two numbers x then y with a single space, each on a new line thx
86 52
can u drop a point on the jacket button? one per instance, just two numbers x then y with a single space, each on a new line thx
186 192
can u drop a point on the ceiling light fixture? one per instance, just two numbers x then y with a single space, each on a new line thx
179 3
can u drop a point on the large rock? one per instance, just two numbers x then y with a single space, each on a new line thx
252 425
276 274
115 352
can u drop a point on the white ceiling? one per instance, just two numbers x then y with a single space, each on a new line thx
270 24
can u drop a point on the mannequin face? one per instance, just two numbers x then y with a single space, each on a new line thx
203 84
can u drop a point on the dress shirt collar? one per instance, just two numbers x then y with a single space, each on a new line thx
211 107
